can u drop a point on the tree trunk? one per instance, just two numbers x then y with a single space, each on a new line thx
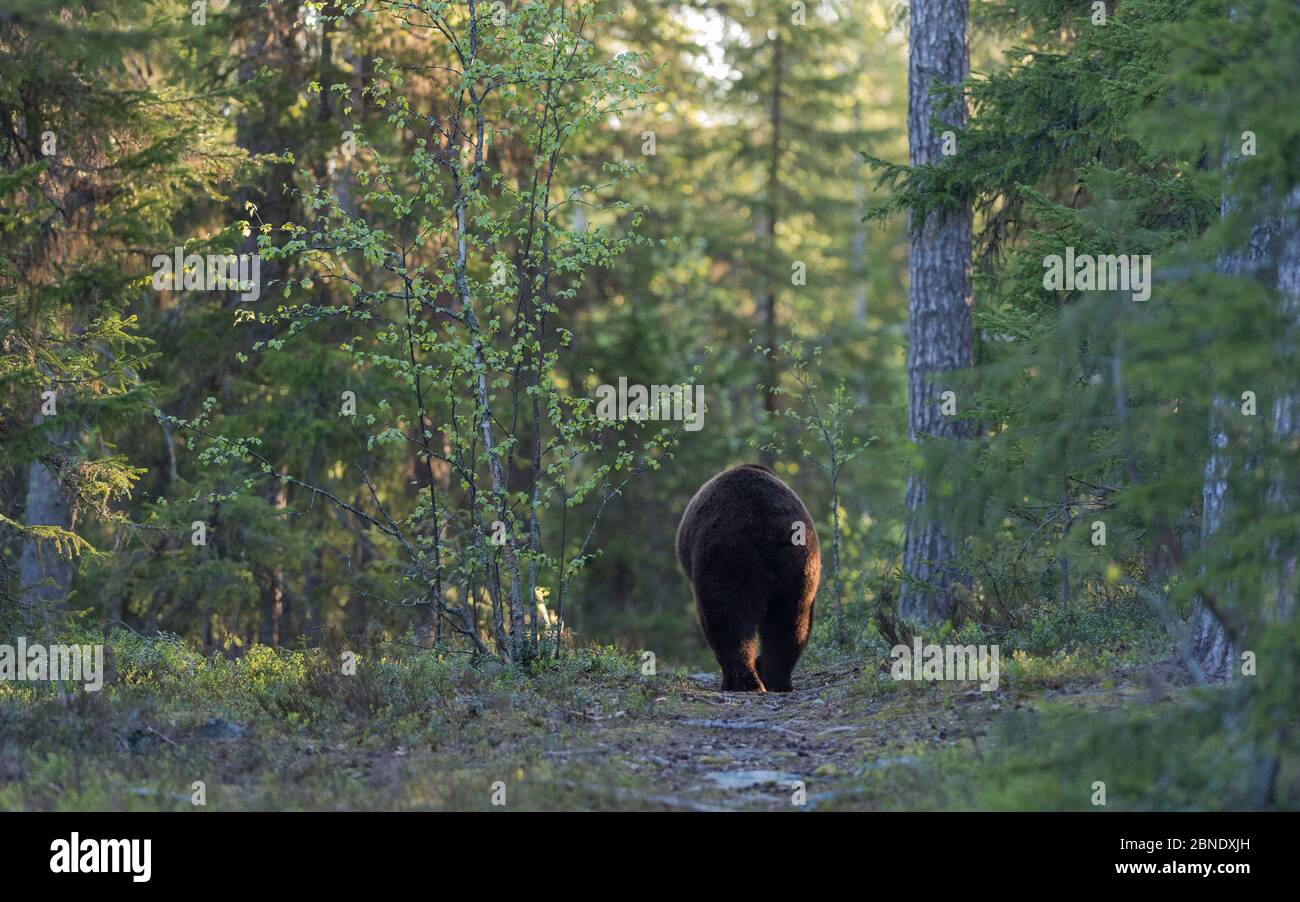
273 627
1283 492
767 310
940 333
765 232
858 253
314 596
1208 639
1272 250
44 576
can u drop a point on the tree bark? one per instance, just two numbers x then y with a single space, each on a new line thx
1209 640
44 575
1273 249
940 332
1283 492
767 310
274 622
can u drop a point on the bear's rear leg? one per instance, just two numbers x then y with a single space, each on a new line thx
732 586
783 643
735 651
739 673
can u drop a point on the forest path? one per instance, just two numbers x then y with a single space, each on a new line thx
709 750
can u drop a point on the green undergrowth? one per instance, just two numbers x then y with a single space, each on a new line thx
395 726
283 728
1185 754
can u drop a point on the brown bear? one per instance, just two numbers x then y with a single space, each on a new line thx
748 546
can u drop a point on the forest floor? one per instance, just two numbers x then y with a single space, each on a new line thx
816 747
715 751
287 730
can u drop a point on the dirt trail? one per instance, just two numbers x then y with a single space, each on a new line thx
710 750
845 737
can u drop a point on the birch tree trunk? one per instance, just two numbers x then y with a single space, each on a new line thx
940 333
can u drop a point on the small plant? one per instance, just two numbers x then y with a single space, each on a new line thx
823 439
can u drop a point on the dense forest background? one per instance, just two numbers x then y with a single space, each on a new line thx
468 216
739 187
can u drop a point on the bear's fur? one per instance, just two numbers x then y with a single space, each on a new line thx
736 544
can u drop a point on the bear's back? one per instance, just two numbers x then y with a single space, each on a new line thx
745 505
